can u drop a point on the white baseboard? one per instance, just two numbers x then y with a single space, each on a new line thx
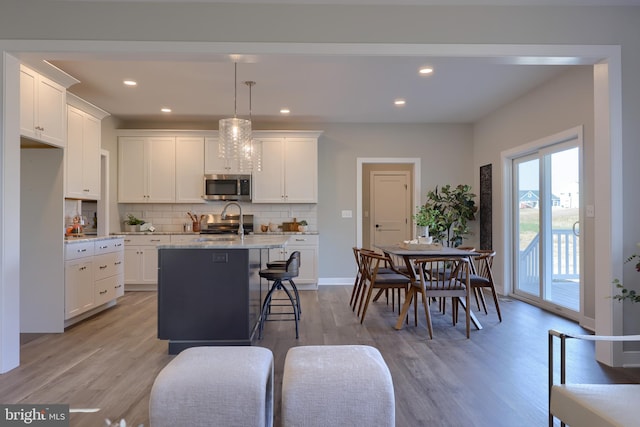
588 323
332 281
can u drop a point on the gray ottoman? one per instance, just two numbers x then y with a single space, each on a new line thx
344 385
214 386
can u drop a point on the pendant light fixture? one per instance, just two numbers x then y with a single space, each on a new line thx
234 134
253 149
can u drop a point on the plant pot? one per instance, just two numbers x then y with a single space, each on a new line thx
422 231
303 228
131 228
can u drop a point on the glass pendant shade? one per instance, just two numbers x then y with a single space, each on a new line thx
234 136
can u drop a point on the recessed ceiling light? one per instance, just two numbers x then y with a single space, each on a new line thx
165 110
426 71
284 111
130 83
400 102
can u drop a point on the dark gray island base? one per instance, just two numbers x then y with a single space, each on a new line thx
210 293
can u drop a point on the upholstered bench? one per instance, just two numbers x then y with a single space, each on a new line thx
597 405
590 405
214 386
343 385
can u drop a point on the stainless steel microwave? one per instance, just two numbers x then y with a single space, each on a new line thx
227 187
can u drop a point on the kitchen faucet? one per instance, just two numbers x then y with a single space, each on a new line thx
224 216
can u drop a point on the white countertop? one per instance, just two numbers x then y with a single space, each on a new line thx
84 239
232 242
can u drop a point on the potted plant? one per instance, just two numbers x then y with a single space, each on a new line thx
451 209
425 218
132 223
303 226
625 293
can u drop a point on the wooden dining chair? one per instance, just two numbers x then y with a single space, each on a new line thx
433 284
373 265
482 277
357 284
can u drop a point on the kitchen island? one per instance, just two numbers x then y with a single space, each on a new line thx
210 292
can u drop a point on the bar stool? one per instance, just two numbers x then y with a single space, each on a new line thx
280 264
278 275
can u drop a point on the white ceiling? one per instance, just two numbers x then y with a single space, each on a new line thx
316 88
354 89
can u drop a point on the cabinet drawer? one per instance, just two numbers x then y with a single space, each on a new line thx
147 240
108 264
108 245
303 240
78 250
105 290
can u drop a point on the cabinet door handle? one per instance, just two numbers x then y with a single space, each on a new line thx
154 240
117 245
104 247
118 262
103 292
81 250
127 240
301 240
102 267
86 190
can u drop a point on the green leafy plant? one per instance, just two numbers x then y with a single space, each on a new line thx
132 220
628 294
425 216
303 222
449 210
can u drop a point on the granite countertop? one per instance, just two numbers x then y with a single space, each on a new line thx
190 233
232 242
84 239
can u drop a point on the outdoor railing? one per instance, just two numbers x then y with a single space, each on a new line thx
565 258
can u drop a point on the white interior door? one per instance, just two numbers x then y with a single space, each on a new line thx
390 207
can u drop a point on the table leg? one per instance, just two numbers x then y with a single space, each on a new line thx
474 319
406 306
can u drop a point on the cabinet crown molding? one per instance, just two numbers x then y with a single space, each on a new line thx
214 133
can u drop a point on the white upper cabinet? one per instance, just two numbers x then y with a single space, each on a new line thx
289 170
214 164
43 108
82 155
189 169
146 169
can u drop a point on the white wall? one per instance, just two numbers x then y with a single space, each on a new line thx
560 104
445 151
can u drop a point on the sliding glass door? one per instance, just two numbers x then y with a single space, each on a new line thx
546 218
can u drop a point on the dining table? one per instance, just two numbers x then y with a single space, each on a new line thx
412 252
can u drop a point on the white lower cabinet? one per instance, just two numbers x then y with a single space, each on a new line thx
141 259
94 274
307 244
78 283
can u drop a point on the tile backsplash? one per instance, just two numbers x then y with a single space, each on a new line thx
169 217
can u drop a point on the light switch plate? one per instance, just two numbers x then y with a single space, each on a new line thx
347 214
591 212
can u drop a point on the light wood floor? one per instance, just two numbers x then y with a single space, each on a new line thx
496 378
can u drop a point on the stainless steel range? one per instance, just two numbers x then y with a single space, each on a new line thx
216 225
